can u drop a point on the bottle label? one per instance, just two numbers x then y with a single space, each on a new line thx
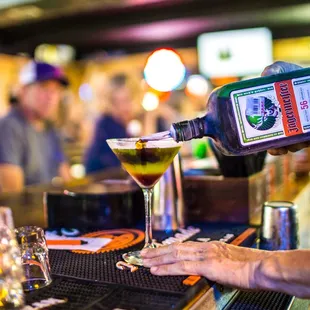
272 111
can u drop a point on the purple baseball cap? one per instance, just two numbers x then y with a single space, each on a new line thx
34 72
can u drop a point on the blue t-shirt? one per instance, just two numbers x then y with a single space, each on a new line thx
99 156
38 153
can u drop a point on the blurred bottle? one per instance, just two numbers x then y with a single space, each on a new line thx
168 207
11 272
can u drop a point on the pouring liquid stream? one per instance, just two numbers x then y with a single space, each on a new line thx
156 136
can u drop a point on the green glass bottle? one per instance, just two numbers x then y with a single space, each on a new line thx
254 115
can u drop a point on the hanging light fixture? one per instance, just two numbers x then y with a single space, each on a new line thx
164 70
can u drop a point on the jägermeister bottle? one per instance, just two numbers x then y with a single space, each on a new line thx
254 115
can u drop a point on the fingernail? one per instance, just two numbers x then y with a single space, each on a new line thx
154 269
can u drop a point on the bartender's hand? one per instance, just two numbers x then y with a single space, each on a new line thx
276 68
218 261
245 268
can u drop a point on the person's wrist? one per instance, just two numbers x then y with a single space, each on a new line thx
266 273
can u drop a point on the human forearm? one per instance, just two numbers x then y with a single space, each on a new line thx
244 268
11 178
285 271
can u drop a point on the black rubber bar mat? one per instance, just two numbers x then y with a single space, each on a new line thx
101 267
81 294
260 301
92 281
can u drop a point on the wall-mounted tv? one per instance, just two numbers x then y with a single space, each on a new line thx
235 53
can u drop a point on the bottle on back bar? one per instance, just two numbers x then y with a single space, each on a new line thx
254 115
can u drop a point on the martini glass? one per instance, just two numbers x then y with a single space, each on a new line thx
146 162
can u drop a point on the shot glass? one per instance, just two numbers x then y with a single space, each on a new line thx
34 257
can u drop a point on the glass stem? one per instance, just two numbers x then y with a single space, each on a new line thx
148 192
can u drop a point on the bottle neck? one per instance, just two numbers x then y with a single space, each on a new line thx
188 130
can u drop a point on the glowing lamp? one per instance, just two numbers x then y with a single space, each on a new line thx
197 85
77 171
134 128
150 101
164 70
55 54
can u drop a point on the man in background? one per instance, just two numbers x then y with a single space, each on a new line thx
111 124
30 149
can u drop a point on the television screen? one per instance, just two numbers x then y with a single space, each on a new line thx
234 52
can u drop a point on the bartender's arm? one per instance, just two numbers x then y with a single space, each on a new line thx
244 268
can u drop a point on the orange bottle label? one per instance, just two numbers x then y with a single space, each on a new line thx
290 115
272 111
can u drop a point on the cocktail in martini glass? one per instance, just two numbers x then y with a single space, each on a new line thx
146 161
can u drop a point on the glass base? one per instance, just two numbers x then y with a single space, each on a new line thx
34 284
133 258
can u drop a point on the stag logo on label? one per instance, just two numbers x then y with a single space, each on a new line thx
262 113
